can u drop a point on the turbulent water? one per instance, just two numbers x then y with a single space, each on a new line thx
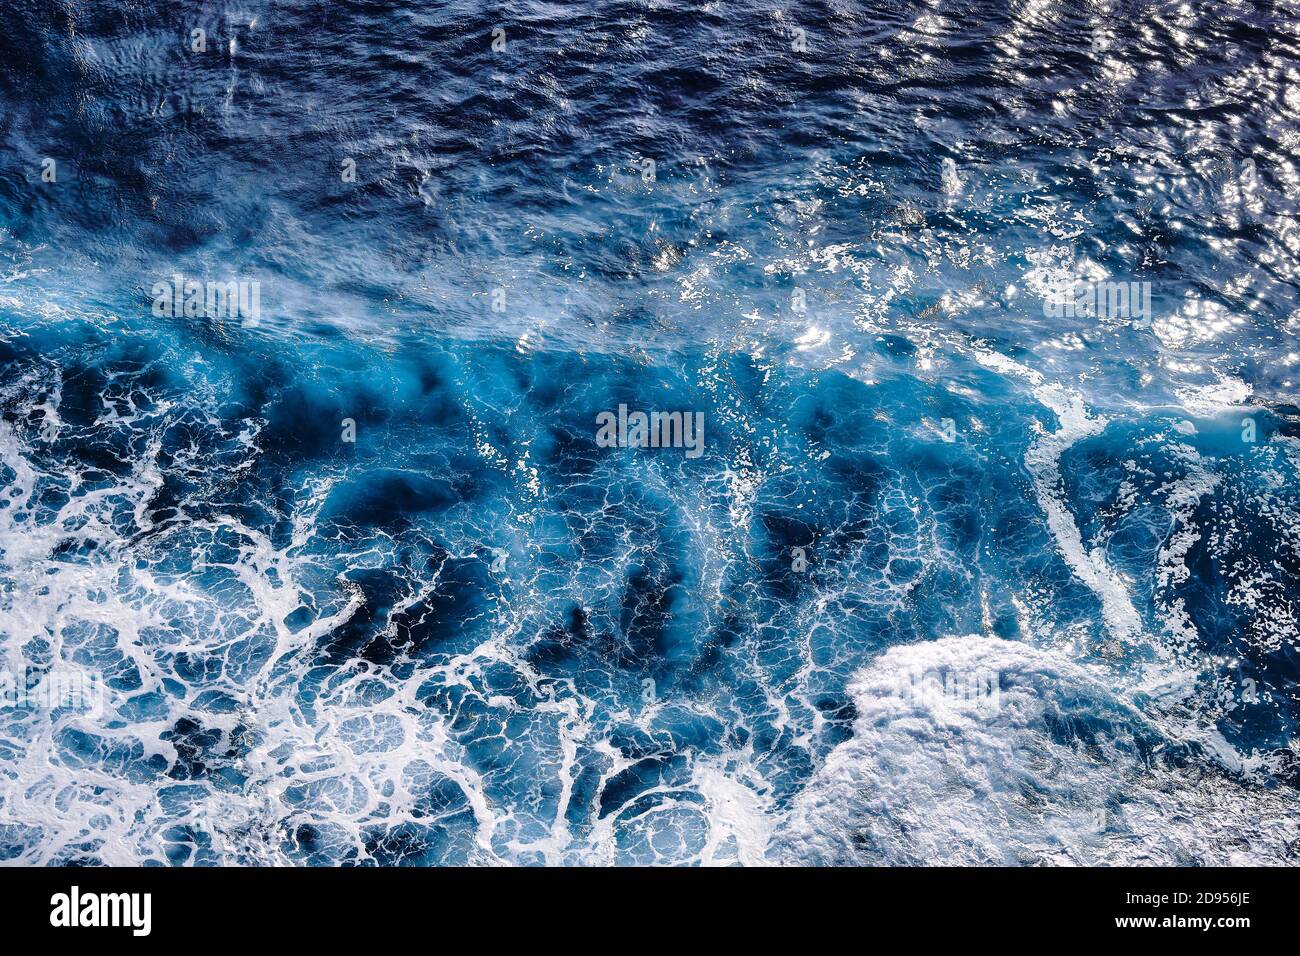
958 574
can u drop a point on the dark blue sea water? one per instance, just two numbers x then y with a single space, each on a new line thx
959 574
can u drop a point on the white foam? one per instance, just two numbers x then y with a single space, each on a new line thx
1043 460
1055 774
1224 394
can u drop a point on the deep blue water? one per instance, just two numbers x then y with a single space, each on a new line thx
475 635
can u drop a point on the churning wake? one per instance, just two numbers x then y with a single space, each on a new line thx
957 564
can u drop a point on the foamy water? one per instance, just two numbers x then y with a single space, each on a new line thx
988 553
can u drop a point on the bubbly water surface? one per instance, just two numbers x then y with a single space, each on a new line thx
959 577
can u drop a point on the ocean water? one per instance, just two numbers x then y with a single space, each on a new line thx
959 573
